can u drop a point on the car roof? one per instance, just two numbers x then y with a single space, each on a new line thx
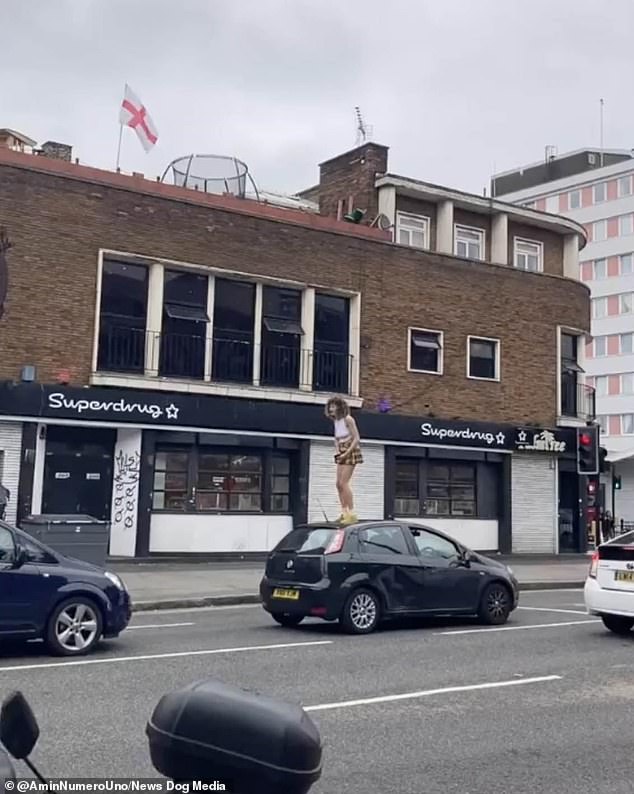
368 522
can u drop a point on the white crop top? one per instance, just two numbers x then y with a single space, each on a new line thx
341 429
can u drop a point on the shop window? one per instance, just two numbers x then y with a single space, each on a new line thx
406 493
426 488
281 337
122 317
234 323
331 351
206 479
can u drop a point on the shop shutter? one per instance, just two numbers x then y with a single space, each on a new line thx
534 508
10 458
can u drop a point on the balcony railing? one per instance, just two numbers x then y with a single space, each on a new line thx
169 355
577 399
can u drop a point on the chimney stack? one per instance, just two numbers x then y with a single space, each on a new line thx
56 151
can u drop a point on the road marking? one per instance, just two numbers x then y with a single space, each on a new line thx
172 655
518 628
159 626
559 590
550 609
346 704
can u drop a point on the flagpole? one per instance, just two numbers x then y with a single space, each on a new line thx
601 130
119 147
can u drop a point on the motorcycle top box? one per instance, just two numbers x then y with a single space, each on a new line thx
250 742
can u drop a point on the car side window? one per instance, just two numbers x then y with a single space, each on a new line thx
434 547
384 539
7 547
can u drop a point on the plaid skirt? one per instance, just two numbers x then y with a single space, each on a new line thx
352 460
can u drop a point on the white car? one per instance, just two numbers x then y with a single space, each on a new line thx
609 589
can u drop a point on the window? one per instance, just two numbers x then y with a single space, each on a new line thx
7 547
599 231
184 324
210 479
600 346
529 255
307 540
331 352
627 343
600 269
469 242
603 424
234 323
627 424
36 553
627 383
450 490
626 225
483 358
281 336
625 264
384 539
625 303
574 199
425 351
434 547
625 186
406 493
599 308
599 192
122 317
570 369
412 230
601 385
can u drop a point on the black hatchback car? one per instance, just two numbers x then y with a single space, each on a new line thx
371 570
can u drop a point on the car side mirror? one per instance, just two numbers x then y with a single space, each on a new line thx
19 730
467 557
20 557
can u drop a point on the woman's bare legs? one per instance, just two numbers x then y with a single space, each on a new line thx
344 475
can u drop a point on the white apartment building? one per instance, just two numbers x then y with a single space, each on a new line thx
596 188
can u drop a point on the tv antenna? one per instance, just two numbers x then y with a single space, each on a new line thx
363 130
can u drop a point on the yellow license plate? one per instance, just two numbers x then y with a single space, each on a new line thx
290 595
624 576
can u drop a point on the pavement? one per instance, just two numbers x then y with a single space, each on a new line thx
542 704
171 585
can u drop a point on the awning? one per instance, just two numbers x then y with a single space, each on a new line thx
619 455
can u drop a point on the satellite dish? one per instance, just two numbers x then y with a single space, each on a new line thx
382 222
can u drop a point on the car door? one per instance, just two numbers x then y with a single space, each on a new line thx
15 593
449 583
391 564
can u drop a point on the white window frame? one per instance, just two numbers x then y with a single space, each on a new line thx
604 339
402 219
630 258
597 302
630 298
621 180
603 379
476 338
481 233
626 352
539 252
596 277
622 219
575 205
627 376
623 431
441 350
603 185
604 225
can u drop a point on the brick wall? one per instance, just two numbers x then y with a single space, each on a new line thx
58 224
351 177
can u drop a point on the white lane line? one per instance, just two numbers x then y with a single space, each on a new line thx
551 609
518 628
152 656
559 590
159 626
346 704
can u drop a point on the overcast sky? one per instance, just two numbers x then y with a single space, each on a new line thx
453 87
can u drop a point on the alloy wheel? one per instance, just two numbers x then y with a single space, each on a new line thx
76 627
497 602
362 611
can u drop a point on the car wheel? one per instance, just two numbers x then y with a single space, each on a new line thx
617 623
495 605
287 620
75 627
361 612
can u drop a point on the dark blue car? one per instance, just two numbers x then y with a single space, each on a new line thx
68 603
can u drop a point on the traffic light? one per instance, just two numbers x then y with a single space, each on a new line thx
588 450
617 482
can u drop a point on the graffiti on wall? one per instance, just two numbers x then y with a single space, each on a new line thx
126 485
4 270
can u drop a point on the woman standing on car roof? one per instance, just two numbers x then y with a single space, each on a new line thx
347 454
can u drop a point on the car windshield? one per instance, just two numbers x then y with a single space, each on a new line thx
305 540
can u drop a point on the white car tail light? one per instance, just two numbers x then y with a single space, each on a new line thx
594 564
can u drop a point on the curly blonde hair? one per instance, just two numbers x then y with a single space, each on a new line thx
341 408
